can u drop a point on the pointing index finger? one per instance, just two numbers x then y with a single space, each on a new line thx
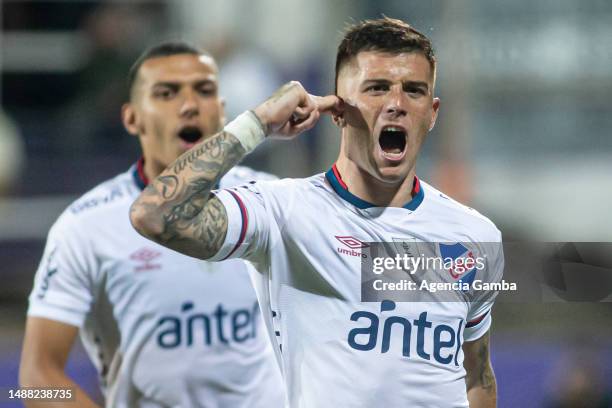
330 104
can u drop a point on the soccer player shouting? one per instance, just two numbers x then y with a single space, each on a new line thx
334 349
163 329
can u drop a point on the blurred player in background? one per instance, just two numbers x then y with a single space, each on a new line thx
162 329
335 350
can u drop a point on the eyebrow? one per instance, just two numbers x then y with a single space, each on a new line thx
177 84
382 81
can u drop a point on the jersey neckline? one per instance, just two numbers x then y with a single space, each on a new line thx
339 186
138 174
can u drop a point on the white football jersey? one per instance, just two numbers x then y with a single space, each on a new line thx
163 329
334 349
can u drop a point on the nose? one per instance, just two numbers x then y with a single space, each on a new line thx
189 105
395 105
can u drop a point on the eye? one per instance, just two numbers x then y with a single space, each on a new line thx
418 91
164 93
377 88
207 90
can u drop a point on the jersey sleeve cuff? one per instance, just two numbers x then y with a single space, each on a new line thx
237 224
477 328
57 313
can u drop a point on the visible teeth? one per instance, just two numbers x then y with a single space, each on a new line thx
393 129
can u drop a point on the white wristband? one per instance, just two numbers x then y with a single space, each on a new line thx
247 129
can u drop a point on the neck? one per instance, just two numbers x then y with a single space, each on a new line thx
365 186
152 169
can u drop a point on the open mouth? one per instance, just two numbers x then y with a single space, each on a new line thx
190 134
392 142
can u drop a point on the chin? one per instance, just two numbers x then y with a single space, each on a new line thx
392 174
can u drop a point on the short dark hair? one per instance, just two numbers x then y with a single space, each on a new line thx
385 35
164 49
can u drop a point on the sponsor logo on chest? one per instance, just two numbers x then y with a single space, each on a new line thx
192 327
411 338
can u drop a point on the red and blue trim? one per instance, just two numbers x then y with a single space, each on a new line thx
138 174
245 223
476 321
335 180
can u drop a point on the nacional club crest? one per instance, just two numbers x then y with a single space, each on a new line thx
459 261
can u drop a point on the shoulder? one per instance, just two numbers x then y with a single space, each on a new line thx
445 209
242 174
266 183
99 204
279 196
288 187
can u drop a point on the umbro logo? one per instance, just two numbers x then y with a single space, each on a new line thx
353 244
145 256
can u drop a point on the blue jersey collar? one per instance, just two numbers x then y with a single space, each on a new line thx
335 180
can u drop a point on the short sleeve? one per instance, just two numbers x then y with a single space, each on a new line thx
63 284
249 222
479 314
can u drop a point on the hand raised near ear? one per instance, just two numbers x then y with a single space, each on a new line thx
292 110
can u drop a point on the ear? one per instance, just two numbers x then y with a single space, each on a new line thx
339 120
130 119
434 114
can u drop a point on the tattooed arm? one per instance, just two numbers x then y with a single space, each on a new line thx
480 379
177 209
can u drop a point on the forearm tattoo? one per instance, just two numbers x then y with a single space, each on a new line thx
186 216
482 375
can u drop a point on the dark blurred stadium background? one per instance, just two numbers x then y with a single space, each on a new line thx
524 136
